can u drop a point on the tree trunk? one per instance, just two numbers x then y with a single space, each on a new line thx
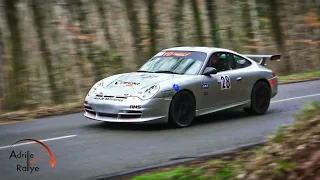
132 15
2 72
92 53
279 36
38 17
17 86
178 22
248 27
152 27
212 17
104 23
255 23
198 22
80 57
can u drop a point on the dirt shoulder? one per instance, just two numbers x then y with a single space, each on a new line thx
27 115
293 152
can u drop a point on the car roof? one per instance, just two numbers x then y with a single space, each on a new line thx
207 50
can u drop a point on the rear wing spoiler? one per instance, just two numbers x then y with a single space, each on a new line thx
262 62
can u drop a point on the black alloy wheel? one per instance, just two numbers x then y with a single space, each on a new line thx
260 99
182 109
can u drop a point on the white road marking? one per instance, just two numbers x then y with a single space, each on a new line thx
299 97
44 140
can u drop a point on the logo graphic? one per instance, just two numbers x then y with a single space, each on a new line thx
30 157
176 87
205 86
135 106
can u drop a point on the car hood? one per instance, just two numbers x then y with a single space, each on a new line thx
130 83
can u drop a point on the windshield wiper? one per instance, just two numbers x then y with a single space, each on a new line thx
145 71
171 72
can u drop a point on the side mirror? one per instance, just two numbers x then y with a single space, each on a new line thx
209 70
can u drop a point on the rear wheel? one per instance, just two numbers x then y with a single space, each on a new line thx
182 109
260 98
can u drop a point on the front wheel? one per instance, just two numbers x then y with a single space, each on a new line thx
260 98
182 109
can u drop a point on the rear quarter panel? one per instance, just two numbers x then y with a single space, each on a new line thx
262 72
254 73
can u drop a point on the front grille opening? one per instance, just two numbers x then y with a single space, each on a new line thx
88 107
105 96
133 112
129 116
121 97
90 112
108 115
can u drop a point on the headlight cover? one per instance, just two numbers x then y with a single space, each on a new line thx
148 92
95 87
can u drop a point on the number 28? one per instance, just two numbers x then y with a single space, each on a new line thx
225 82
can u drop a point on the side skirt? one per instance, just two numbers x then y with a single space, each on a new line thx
215 109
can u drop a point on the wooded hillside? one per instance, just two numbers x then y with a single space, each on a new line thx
52 51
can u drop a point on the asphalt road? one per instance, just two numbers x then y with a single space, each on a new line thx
86 149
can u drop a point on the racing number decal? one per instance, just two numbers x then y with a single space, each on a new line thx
225 82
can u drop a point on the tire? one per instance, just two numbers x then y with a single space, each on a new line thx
260 99
182 109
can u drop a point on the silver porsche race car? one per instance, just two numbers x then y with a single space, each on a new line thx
180 83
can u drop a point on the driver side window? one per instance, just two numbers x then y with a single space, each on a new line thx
240 62
220 61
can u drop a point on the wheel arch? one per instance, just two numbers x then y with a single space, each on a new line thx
262 80
189 91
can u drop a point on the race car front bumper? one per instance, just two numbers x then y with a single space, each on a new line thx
127 109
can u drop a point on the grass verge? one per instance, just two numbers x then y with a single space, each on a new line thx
18 116
292 152
299 77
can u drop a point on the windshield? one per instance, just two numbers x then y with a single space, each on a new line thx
175 62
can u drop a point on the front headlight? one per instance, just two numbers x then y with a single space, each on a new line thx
148 93
95 87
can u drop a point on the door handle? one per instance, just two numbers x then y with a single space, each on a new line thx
239 78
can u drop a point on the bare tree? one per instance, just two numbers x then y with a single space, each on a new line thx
178 21
39 18
104 23
80 55
255 23
198 22
152 26
279 35
247 26
214 28
2 71
132 15
17 85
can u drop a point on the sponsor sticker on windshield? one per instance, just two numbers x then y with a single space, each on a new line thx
176 54
196 55
171 53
